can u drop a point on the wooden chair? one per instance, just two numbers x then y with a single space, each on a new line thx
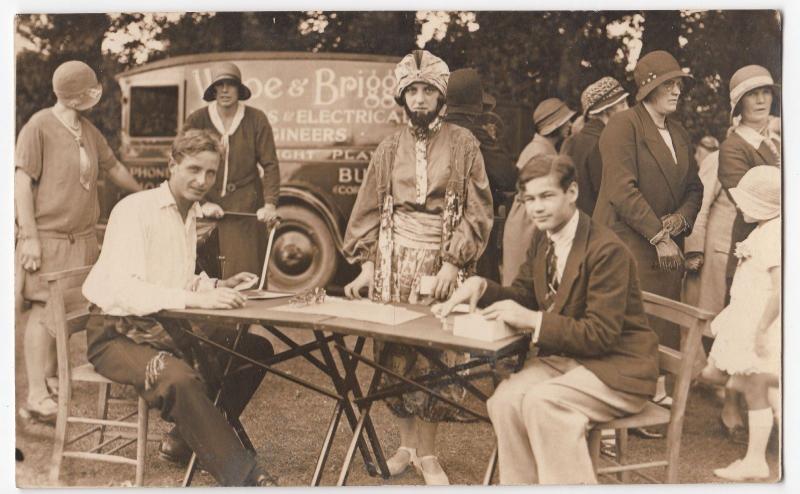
684 366
69 312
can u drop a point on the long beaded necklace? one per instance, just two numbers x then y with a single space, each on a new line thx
77 134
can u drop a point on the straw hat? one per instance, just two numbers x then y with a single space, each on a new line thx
655 68
551 114
759 192
226 71
75 84
748 78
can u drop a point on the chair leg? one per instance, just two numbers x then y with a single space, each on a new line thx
60 438
621 449
141 441
594 446
487 478
102 408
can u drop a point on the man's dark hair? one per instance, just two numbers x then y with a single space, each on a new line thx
194 141
543 165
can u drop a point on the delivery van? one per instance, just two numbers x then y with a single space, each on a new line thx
328 112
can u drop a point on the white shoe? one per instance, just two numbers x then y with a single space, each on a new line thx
402 458
431 470
739 471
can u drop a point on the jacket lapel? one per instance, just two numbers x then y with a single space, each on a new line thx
658 148
681 152
574 261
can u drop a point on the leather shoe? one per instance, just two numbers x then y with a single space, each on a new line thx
174 449
261 478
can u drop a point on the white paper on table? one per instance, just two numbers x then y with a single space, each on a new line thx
360 310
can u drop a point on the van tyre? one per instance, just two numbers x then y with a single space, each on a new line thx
304 253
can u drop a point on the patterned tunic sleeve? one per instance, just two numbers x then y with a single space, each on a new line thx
361 238
472 233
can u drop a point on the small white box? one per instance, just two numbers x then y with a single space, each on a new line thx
477 327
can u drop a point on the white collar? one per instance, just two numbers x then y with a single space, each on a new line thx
165 199
567 232
213 113
749 134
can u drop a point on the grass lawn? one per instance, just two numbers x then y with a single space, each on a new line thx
287 425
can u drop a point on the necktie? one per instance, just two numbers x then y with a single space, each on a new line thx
551 274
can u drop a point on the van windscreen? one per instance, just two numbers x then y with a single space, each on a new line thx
154 111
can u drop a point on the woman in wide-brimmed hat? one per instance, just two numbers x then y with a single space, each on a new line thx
247 143
58 157
650 192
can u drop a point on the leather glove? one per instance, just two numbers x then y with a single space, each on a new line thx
674 223
670 257
694 261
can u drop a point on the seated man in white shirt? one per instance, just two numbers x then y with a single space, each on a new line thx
578 296
147 264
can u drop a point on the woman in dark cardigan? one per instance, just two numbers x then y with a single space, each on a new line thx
650 193
755 141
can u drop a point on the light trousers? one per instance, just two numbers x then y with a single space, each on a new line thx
541 415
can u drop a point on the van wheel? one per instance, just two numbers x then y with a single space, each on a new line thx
303 253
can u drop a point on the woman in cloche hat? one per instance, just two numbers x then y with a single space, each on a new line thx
247 142
755 141
650 192
58 157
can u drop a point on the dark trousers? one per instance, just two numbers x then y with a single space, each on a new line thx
182 394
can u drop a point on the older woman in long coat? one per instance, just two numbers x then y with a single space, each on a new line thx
650 192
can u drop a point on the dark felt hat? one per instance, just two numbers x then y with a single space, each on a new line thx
655 68
225 71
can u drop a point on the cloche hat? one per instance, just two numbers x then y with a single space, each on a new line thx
226 71
746 79
655 68
465 92
601 95
551 114
75 83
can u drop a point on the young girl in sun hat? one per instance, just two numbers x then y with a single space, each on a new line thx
748 330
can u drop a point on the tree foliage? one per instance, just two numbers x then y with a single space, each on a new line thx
523 57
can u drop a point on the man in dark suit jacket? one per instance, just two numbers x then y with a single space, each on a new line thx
578 296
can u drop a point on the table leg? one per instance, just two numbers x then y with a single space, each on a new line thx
351 382
348 459
347 406
326 445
